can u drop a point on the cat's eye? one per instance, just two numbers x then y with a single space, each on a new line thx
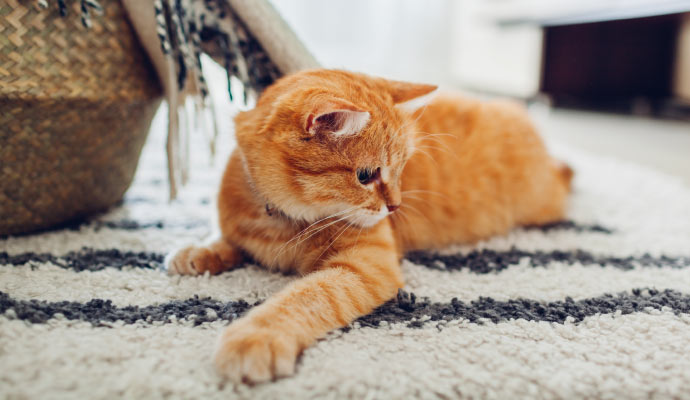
366 176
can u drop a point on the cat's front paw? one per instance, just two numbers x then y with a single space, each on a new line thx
194 260
251 354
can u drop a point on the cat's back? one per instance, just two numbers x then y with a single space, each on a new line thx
479 169
462 141
460 115
448 113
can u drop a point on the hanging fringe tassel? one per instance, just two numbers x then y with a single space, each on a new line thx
184 28
188 28
85 8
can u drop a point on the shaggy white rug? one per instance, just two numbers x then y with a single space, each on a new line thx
595 307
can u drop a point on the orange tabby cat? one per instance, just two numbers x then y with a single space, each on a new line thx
333 180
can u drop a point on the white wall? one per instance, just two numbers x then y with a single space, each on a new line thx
399 39
446 42
490 58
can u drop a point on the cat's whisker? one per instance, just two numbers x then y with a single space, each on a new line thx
324 227
339 213
414 197
423 109
435 140
313 233
428 137
411 122
316 231
416 193
361 228
401 215
406 216
415 210
424 191
339 233
434 148
445 150
417 149
320 220
427 134
303 232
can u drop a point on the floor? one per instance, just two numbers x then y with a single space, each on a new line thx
661 144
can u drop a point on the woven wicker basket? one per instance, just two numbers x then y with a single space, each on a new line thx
75 108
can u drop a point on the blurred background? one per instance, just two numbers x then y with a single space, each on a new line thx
608 76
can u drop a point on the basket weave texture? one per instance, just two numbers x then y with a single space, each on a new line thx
75 108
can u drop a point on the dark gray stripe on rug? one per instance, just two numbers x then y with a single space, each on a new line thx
478 261
405 308
122 224
88 259
570 226
133 225
130 224
98 311
488 261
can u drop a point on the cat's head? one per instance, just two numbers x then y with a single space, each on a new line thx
323 142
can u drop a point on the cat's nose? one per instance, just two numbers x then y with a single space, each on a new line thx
392 207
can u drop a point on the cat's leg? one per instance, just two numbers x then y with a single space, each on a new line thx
215 258
265 343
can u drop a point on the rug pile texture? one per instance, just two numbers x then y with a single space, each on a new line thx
597 306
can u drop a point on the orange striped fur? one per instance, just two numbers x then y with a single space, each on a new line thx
292 197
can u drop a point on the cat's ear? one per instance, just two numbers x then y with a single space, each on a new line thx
336 117
410 96
404 91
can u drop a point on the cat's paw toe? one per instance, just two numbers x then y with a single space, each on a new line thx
254 355
194 261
